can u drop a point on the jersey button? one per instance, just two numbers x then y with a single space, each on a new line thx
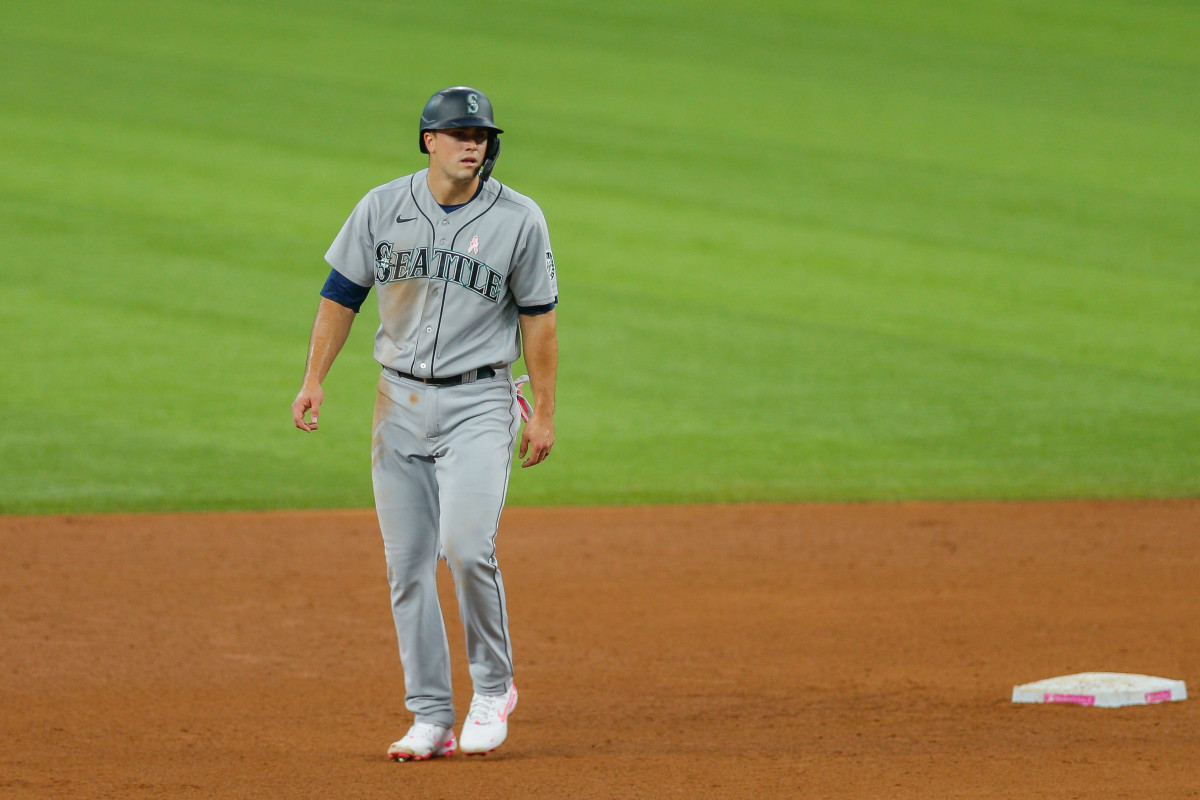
422 365
443 241
429 330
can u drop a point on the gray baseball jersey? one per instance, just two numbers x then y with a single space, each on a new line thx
450 285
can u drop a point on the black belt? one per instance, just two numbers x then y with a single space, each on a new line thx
454 380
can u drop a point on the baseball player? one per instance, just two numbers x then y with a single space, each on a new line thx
465 281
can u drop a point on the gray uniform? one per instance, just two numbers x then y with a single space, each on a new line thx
450 287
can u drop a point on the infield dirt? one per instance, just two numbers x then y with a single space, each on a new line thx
758 651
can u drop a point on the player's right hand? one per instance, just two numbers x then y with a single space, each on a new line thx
310 397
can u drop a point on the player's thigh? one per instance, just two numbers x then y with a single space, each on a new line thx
403 474
474 466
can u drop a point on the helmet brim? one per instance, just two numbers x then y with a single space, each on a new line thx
458 122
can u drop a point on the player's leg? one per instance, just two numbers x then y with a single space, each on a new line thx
406 501
480 424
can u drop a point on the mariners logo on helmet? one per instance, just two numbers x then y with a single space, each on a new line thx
459 107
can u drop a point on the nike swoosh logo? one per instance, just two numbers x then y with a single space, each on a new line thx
405 219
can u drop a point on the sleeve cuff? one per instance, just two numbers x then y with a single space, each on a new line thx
344 291
533 311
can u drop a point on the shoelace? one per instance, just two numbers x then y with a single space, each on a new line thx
486 709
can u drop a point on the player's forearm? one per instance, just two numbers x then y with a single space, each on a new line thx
539 335
329 333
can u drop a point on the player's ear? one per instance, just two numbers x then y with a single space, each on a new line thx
430 138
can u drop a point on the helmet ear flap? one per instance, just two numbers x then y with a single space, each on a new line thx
489 157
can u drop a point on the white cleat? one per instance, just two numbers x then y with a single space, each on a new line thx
487 722
424 740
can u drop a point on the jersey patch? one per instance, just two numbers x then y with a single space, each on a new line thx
550 264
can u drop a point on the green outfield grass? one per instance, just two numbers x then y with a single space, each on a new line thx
826 250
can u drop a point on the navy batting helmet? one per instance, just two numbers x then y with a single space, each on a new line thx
456 107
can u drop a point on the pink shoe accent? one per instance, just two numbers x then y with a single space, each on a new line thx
443 750
512 702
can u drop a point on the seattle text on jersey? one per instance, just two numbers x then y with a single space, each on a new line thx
437 264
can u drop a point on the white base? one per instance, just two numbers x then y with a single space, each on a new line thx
1103 689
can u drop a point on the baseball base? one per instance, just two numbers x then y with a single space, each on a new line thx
1102 689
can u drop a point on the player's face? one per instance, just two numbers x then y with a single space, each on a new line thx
458 152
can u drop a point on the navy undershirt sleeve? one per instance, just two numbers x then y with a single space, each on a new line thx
344 291
533 311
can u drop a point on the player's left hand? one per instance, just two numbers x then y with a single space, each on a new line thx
537 439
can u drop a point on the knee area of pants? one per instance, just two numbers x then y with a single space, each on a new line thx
402 578
468 559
